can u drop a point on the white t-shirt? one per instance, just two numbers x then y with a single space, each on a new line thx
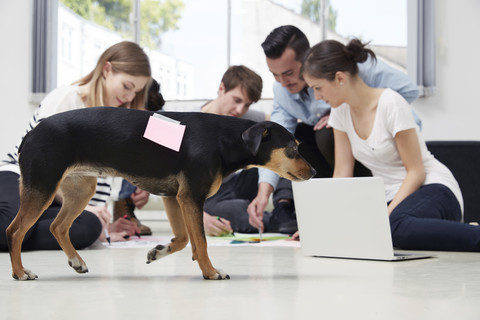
379 151
62 99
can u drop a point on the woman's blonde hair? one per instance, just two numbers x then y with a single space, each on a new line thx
126 57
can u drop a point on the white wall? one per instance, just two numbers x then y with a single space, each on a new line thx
15 66
453 113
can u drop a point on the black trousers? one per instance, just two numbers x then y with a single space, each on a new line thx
236 193
317 147
84 231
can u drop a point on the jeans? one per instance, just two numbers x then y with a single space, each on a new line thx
236 193
126 190
429 219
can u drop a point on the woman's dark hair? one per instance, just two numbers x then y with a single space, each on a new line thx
328 57
155 99
285 37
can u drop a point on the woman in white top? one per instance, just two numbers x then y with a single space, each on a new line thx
120 79
375 126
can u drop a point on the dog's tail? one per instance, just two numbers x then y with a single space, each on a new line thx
20 147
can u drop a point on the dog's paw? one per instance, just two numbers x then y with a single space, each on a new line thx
218 275
158 252
78 265
27 275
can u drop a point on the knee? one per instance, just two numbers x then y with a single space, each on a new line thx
324 142
86 230
400 229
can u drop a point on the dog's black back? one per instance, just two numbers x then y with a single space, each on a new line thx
108 138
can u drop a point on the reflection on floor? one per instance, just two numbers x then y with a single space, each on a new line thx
266 283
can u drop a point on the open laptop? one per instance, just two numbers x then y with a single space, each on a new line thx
345 218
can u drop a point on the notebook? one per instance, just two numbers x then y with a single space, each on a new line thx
345 218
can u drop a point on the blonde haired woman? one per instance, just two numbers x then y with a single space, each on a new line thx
121 78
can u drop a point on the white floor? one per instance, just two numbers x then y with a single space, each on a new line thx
266 283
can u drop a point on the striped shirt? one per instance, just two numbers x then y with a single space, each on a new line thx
59 100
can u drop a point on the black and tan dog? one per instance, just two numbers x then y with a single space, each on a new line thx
65 153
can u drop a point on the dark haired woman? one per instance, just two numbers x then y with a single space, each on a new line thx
375 126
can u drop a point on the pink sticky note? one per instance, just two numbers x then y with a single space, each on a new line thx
165 133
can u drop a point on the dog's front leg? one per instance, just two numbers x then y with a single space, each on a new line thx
180 240
193 215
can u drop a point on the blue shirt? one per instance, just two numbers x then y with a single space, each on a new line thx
288 108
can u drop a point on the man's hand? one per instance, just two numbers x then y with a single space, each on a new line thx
257 206
216 226
139 198
295 236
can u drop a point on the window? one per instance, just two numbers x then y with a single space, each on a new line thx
80 44
191 43
194 49
382 23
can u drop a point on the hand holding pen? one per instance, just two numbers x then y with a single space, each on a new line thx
224 222
216 226
137 230
122 229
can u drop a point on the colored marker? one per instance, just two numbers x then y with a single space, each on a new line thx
107 235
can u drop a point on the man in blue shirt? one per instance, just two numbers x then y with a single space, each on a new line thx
294 101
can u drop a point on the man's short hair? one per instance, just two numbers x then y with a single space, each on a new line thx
246 78
285 37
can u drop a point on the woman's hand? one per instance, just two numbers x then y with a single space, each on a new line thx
121 229
216 226
102 214
322 123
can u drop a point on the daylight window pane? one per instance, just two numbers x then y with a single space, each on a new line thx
382 23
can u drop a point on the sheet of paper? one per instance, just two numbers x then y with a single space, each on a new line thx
275 240
166 133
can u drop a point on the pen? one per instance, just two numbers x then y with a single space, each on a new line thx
136 233
260 233
107 235
220 219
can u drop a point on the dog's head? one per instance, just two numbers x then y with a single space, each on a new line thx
276 149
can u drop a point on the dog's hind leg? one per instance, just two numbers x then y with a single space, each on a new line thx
76 191
180 239
32 204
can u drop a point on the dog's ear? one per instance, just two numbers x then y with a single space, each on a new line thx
254 135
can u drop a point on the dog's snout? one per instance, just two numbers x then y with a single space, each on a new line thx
308 171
